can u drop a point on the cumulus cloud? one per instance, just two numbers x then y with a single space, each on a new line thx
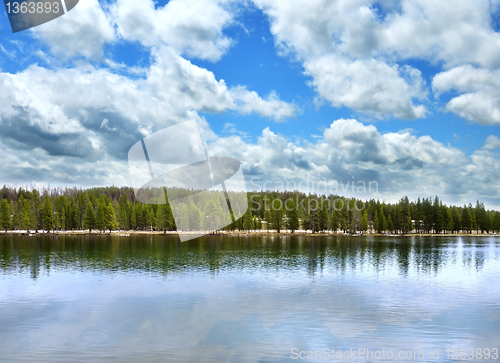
368 85
479 89
75 112
81 32
248 102
492 142
355 51
190 27
397 163
335 42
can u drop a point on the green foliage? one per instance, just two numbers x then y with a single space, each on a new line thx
292 216
117 208
47 214
277 215
89 221
364 221
248 223
5 221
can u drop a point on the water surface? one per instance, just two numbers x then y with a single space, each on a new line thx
231 299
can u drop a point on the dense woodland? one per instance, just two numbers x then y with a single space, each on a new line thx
112 208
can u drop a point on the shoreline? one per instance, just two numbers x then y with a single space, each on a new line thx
236 234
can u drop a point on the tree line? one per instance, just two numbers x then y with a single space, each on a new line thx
113 208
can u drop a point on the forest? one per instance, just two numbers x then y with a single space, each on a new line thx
113 208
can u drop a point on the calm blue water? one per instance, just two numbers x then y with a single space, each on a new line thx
215 299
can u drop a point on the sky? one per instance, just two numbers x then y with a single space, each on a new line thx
311 95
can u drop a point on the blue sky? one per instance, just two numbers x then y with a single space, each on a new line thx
404 93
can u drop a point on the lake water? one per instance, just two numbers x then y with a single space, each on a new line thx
232 299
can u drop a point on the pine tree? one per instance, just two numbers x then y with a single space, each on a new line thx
5 220
164 217
375 222
100 221
47 214
390 224
292 214
109 217
214 215
364 221
457 223
26 223
194 217
14 210
322 216
383 224
334 222
258 223
89 221
267 218
248 221
277 215
466 220
438 218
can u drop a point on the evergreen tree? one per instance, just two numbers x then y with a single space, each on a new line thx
267 218
292 214
89 220
60 209
248 220
258 224
457 223
164 217
194 217
418 216
124 212
5 220
449 220
438 218
323 215
14 210
390 224
277 215
334 222
364 221
214 215
480 214
100 220
109 217
47 214
383 224
26 223
466 220
375 222
405 218
496 223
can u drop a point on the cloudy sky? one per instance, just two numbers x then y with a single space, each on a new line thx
402 93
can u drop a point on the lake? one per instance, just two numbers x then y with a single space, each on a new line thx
249 299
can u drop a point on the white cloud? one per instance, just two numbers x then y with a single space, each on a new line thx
453 32
190 27
335 42
400 163
249 101
479 100
492 142
77 111
355 51
173 77
368 85
81 32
